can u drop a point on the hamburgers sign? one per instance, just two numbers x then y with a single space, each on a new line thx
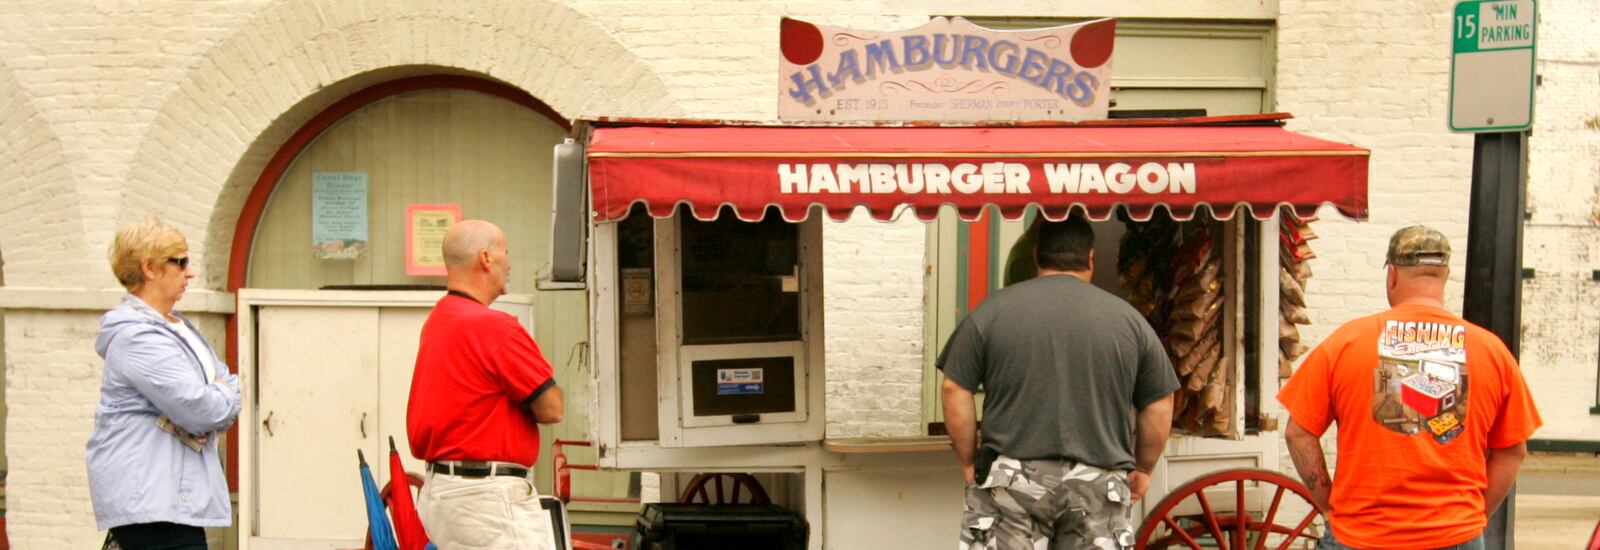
946 70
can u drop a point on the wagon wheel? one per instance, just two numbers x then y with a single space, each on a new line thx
1227 531
724 488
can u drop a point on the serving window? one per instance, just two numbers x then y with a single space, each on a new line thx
739 281
723 318
1188 279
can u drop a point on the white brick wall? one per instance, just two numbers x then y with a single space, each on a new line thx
873 302
206 145
113 110
1561 304
95 73
52 384
40 216
1375 74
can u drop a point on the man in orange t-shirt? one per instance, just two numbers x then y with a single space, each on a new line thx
1433 415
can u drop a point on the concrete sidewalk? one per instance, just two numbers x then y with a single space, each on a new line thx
1555 521
1558 501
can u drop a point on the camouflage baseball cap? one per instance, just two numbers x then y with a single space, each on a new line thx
1418 245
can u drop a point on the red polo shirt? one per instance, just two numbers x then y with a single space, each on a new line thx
477 371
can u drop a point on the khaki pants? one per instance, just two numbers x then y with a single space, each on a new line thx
497 512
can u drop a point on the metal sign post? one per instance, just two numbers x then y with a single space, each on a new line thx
1492 56
1494 263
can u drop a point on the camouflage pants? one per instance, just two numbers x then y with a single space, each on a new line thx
1047 505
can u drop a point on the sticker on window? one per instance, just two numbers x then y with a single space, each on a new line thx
739 382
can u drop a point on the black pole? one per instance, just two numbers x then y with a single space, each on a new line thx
1494 265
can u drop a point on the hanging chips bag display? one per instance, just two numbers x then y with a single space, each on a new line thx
1173 273
1295 236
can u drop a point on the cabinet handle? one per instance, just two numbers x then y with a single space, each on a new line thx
267 423
363 425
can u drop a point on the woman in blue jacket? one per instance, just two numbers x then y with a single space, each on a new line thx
154 473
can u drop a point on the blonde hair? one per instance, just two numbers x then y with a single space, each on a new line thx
136 243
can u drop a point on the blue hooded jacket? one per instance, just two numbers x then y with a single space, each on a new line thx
139 473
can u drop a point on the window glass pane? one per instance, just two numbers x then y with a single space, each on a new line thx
740 280
636 327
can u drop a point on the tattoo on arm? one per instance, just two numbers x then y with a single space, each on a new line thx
1306 452
1315 480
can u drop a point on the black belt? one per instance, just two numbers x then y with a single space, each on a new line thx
477 469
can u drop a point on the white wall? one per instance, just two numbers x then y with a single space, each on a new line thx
1377 74
1561 304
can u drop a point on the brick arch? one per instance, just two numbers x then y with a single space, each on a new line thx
218 130
41 217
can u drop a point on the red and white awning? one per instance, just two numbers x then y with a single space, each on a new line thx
1181 165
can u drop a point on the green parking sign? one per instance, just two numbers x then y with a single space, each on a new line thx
1492 65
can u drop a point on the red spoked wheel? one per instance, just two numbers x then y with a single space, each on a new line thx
1176 523
724 488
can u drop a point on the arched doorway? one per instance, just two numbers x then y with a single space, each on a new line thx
328 379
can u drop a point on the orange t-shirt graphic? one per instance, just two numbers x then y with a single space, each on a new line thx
1420 396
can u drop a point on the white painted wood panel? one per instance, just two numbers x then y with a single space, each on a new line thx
297 335
399 330
318 374
869 509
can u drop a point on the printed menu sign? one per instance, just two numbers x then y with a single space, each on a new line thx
426 225
338 215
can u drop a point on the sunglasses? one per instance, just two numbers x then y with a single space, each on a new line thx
182 263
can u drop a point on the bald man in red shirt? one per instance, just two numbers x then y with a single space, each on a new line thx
479 392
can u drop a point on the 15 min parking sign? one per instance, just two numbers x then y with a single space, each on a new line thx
1492 65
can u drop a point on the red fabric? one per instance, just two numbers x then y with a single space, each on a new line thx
1394 487
1262 167
476 367
408 529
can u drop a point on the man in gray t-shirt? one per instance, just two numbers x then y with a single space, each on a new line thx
1067 370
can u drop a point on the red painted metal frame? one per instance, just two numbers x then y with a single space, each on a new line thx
978 259
563 474
1239 525
600 541
244 231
